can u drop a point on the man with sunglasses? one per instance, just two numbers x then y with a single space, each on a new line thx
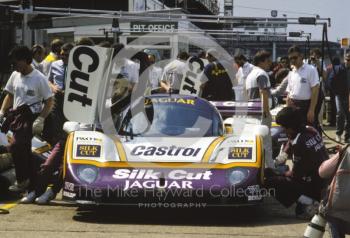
303 86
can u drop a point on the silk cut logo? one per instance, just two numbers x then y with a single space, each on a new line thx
88 151
240 153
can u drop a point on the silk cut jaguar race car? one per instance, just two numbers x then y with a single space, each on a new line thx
175 152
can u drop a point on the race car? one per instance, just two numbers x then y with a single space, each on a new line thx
175 151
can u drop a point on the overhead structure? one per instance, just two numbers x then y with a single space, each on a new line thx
98 23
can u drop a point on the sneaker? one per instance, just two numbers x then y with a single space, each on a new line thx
306 212
29 198
338 138
46 197
19 187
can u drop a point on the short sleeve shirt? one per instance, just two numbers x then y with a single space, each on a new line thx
28 89
257 80
300 82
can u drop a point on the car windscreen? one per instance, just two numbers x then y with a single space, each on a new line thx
173 119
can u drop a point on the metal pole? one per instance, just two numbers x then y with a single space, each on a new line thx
233 7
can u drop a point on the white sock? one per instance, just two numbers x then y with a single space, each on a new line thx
305 200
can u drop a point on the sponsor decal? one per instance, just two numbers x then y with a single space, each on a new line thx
242 141
315 142
177 174
190 84
240 153
88 139
234 104
149 101
151 184
81 91
150 179
165 150
85 77
88 150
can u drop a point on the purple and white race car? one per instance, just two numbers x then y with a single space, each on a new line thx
176 152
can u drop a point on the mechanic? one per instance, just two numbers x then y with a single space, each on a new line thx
303 86
54 162
258 87
302 184
216 81
26 88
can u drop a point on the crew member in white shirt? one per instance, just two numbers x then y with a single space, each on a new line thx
26 89
173 73
244 69
303 85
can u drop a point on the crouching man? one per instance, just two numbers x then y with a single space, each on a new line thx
27 88
302 184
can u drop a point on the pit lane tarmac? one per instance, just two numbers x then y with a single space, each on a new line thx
60 219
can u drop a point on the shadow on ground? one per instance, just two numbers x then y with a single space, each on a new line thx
268 213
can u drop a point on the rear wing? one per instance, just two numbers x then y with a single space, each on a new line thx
230 108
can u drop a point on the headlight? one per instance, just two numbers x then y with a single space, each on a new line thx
237 176
87 173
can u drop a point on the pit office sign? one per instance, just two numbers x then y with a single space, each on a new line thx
153 26
86 71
